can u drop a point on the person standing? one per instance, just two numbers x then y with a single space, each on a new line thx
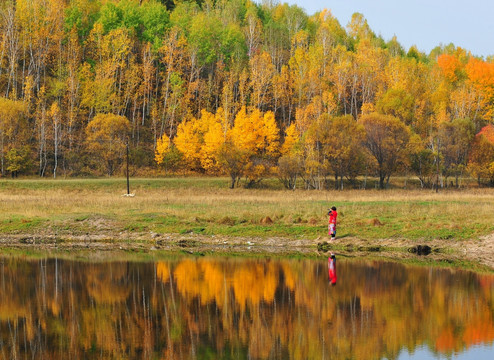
333 214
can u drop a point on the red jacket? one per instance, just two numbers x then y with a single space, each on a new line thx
332 217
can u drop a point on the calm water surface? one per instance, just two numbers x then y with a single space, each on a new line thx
230 308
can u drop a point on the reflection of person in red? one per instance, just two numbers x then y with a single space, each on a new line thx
332 222
332 269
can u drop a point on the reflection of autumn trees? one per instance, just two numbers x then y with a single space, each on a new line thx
107 286
237 308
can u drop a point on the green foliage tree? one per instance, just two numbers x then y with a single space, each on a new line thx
214 41
81 16
155 22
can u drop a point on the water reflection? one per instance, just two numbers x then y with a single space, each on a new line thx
212 308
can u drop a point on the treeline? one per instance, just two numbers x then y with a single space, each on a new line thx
234 87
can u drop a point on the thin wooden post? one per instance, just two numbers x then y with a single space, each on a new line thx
128 182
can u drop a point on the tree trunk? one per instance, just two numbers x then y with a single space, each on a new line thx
381 181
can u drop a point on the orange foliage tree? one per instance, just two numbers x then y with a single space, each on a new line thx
481 162
481 76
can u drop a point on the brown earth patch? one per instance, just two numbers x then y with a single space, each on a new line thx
266 221
375 222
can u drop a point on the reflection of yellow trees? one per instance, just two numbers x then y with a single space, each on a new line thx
163 271
261 339
98 328
289 277
251 282
12 309
242 307
106 286
254 282
202 279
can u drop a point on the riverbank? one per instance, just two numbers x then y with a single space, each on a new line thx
201 214
469 253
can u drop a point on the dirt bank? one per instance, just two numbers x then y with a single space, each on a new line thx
479 251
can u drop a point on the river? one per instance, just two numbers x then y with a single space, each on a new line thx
187 307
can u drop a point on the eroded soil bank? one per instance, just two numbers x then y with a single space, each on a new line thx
480 251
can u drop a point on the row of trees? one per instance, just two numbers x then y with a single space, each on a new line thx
332 146
77 75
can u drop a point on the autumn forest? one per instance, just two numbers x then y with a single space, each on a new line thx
235 88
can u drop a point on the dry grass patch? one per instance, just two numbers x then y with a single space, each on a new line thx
227 221
367 214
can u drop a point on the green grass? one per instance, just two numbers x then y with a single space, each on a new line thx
202 205
19 224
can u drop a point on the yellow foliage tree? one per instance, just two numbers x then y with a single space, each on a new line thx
262 72
200 140
188 141
162 148
256 137
342 151
13 130
290 163
215 128
291 138
106 138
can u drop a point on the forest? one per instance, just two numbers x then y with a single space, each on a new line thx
235 88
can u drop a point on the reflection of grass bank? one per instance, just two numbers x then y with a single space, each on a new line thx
206 206
134 254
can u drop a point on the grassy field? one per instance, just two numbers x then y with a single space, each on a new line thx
206 206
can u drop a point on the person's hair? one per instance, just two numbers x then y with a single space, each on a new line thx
333 208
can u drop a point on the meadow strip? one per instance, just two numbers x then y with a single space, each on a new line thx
206 206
